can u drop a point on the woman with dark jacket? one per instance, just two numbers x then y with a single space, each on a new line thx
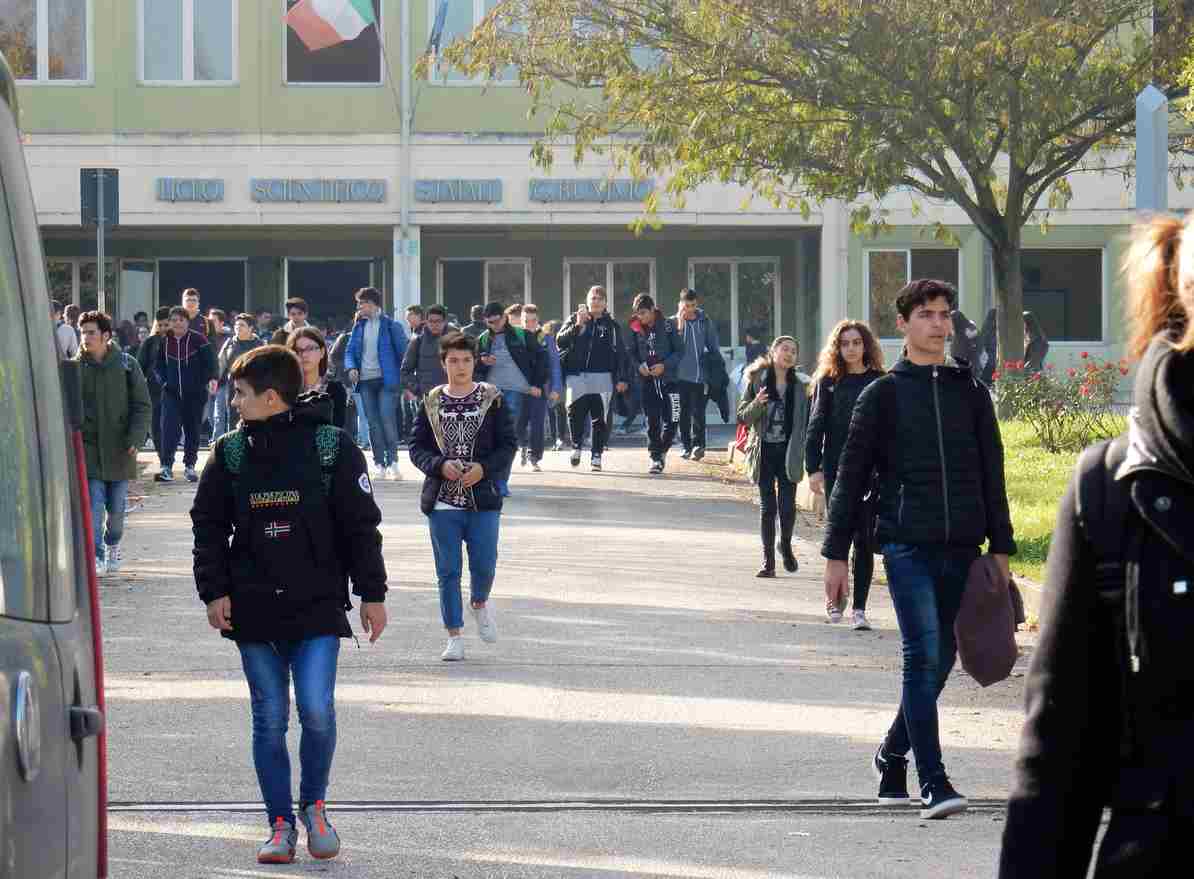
1110 689
312 350
464 442
244 339
775 408
850 361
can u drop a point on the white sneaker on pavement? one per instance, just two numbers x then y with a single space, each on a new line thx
376 471
454 652
114 558
101 567
393 473
486 624
860 623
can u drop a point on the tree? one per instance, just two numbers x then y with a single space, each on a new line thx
989 104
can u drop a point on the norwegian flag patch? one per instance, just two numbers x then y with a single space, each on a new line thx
276 530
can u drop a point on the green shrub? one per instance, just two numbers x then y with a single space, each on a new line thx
1067 410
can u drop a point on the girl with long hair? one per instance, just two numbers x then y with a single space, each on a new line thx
312 350
1110 689
850 360
775 408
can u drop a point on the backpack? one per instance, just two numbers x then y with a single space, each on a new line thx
327 443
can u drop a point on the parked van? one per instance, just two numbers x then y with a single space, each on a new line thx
53 773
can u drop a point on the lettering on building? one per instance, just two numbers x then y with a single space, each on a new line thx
599 190
334 191
189 189
462 191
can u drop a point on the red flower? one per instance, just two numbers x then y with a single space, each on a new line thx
1009 364
1050 366
1085 354
1123 370
996 376
1071 372
1084 390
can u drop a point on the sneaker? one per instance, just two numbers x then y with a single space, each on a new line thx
486 624
575 459
535 468
454 652
938 799
166 474
522 457
322 840
279 848
559 446
377 471
892 773
698 453
791 565
860 623
190 474
595 464
393 474
686 454
113 557
834 614
101 566
656 467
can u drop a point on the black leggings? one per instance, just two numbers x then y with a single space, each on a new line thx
777 494
864 559
588 406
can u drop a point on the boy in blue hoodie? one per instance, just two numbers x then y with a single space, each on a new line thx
186 370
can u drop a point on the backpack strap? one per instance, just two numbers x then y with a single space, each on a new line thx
327 444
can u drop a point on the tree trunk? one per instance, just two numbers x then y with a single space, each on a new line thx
1009 303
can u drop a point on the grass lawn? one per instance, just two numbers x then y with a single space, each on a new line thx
1036 480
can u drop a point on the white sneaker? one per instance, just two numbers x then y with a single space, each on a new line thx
486 624
101 567
834 614
376 471
114 558
454 652
860 623
535 468
393 473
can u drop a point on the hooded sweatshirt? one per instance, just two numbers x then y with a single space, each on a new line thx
186 365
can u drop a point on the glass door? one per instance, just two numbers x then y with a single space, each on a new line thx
578 278
741 295
136 290
508 281
622 280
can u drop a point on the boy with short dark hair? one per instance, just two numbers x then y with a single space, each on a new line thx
186 368
283 518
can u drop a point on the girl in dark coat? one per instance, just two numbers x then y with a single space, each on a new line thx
312 350
850 360
1110 690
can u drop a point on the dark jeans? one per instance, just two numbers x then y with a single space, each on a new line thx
864 558
557 423
181 417
777 494
155 424
661 403
692 414
583 408
381 410
268 668
926 584
532 419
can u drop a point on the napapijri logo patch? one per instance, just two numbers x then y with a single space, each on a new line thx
261 499
275 530
365 484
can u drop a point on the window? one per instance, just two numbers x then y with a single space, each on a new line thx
343 48
46 40
887 271
740 295
462 16
622 280
188 41
1064 289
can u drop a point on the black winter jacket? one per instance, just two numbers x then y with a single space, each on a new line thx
833 404
525 350
1074 758
494 450
283 537
932 433
659 343
598 346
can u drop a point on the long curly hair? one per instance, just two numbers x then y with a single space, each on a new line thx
831 364
1160 270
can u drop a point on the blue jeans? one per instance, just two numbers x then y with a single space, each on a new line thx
111 498
219 415
479 532
268 668
926 584
530 425
362 425
381 408
513 401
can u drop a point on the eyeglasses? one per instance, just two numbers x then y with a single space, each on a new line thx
306 349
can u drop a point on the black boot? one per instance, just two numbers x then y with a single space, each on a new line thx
787 525
767 532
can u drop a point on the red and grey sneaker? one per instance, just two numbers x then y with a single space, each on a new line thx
279 848
322 840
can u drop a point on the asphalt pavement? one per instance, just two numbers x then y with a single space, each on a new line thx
651 708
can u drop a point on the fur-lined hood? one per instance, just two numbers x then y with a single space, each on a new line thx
762 364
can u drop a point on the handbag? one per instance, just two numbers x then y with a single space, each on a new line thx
985 628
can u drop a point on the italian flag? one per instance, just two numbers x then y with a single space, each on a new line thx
323 23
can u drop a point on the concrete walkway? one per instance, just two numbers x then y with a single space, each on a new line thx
641 668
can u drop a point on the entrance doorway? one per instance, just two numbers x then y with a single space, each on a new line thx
221 283
462 283
622 279
328 286
741 295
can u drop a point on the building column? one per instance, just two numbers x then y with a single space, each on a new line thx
407 269
835 269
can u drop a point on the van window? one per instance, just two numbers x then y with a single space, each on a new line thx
23 591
